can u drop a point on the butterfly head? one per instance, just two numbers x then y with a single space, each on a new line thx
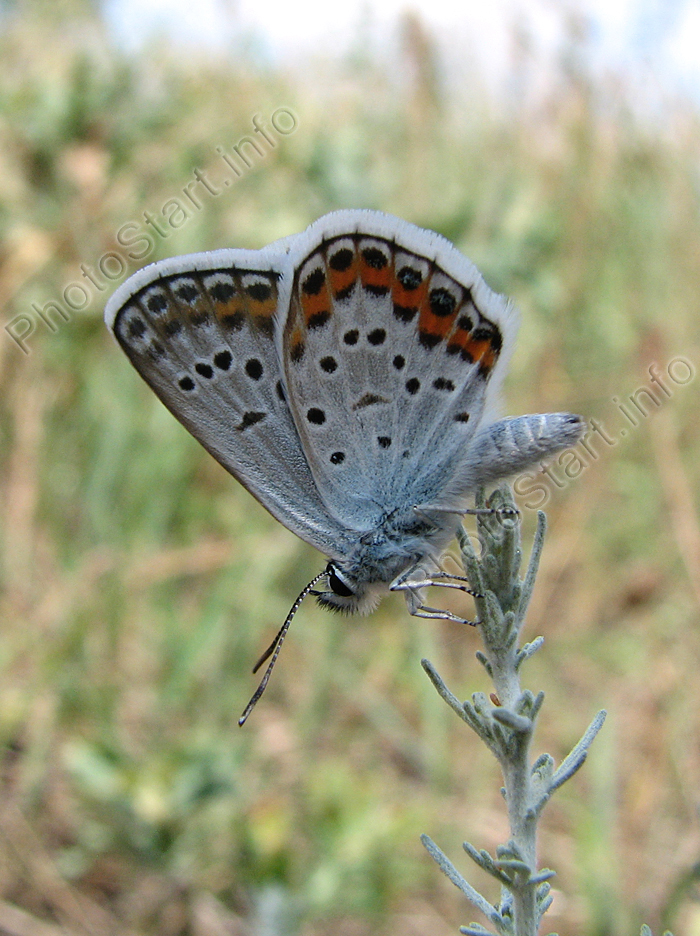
346 594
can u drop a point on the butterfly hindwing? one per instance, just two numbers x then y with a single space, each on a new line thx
388 360
201 331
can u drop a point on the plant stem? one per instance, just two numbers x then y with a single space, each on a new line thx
506 722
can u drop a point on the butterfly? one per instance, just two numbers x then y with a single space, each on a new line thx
348 377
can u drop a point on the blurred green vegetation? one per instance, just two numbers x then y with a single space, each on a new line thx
140 582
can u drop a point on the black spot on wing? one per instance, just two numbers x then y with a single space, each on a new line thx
409 278
233 321
341 259
318 319
135 327
377 336
442 302
223 359
369 399
187 292
405 313
314 282
250 419
374 257
222 292
157 303
254 368
429 340
260 292
441 383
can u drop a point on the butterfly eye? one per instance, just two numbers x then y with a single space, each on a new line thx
337 585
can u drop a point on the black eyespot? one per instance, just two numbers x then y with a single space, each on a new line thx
259 291
222 292
253 368
442 302
343 293
187 292
337 458
314 282
413 385
377 336
318 319
341 259
428 339
374 258
328 364
157 303
336 584
136 328
409 278
250 419
399 361
172 327
186 383
384 441
204 370
441 383
350 337
235 320
405 313
223 359
316 416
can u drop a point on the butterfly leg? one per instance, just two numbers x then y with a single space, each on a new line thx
416 578
437 579
424 509
441 615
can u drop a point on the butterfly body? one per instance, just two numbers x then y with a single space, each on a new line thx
399 543
348 377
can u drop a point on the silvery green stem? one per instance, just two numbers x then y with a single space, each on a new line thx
505 722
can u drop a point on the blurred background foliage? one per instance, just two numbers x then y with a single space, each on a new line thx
140 582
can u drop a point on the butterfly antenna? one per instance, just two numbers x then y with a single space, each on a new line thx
273 651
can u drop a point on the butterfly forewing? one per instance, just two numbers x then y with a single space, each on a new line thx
204 339
387 361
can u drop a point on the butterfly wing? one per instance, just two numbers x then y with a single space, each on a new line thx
200 330
392 347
